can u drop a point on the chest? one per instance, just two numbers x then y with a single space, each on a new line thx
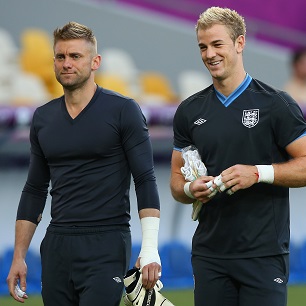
89 135
234 134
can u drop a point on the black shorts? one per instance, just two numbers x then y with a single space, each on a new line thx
245 282
84 266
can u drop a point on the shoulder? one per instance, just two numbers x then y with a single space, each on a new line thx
113 95
116 99
258 86
198 97
270 94
48 107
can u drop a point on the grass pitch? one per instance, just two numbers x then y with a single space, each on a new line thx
296 297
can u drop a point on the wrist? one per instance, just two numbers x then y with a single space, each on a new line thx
187 190
149 245
265 174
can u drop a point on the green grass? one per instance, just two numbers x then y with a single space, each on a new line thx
296 297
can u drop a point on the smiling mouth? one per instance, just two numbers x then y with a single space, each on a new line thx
214 63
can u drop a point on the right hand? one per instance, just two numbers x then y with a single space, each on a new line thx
199 189
17 274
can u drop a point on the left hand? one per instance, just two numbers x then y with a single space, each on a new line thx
239 177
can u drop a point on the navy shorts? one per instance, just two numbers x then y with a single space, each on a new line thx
84 266
258 281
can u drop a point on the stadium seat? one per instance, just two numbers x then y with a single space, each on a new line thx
7 42
156 88
114 82
297 263
17 87
8 65
36 56
192 81
5 265
34 272
303 256
176 265
135 253
119 63
29 89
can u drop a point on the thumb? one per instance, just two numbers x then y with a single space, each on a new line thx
23 283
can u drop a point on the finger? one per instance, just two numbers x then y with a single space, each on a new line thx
218 180
137 263
150 275
213 193
230 192
222 187
23 283
145 276
19 295
209 184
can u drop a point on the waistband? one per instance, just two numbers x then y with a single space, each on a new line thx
77 230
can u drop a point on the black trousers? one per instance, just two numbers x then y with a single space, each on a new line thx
84 266
258 281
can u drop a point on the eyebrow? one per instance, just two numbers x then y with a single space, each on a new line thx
212 42
69 54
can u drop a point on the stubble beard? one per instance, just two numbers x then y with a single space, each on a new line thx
72 85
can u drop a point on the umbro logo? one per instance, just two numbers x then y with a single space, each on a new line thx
200 121
278 280
117 279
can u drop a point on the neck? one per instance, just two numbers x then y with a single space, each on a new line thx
77 99
228 85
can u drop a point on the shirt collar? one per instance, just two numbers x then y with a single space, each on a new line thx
226 101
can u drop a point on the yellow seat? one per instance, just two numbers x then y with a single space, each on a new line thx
113 82
36 57
155 85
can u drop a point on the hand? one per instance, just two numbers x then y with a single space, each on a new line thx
201 190
150 273
239 177
17 273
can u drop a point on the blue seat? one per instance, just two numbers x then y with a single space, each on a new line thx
34 272
295 276
176 265
135 253
5 265
33 275
295 257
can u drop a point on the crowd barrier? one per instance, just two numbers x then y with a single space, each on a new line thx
176 266
175 255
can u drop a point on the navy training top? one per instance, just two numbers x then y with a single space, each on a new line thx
89 161
252 126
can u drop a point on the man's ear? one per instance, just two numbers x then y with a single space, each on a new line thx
96 62
240 43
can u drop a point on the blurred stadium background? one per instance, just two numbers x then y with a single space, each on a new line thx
149 52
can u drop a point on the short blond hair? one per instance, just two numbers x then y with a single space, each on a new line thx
224 16
74 30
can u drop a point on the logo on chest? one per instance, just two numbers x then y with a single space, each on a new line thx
250 117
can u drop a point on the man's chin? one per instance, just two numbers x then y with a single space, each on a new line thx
68 85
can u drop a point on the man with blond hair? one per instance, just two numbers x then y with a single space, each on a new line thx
250 137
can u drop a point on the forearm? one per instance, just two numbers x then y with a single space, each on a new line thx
149 219
177 191
291 173
177 183
177 180
24 231
23 235
149 212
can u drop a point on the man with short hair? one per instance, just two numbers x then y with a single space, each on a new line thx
250 137
87 143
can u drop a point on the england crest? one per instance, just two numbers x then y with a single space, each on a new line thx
250 117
